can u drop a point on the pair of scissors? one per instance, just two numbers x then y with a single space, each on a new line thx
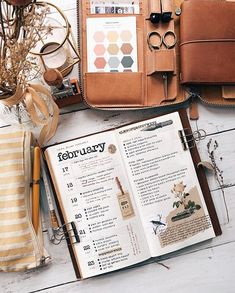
163 40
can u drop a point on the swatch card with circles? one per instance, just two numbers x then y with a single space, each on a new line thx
112 44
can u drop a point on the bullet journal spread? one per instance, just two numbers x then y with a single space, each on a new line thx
133 194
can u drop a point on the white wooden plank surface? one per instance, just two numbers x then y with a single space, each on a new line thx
61 271
207 267
214 271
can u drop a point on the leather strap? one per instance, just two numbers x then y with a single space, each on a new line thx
207 41
193 110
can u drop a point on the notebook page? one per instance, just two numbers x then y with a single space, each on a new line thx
94 191
165 185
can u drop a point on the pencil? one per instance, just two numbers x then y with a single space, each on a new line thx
36 189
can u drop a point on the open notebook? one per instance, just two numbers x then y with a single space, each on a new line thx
131 193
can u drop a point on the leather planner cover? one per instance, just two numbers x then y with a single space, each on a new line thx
104 82
207 36
160 76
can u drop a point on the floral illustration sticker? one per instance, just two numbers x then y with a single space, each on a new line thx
182 200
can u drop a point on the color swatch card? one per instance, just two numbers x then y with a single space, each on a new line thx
112 44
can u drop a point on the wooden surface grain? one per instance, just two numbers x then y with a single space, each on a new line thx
206 267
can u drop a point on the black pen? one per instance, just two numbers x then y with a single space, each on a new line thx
155 125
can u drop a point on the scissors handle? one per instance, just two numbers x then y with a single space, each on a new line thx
157 45
167 44
162 40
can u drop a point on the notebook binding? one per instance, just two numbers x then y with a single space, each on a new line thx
190 139
68 232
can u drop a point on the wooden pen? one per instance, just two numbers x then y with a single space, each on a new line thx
36 188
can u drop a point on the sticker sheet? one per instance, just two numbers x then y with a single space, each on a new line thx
115 7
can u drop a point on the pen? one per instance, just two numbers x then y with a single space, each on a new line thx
49 195
36 188
155 125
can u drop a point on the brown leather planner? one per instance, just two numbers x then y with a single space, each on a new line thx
145 87
207 48
199 64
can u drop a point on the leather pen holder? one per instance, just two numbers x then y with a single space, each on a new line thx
161 61
167 8
155 11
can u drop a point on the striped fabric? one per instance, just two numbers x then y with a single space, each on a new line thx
19 247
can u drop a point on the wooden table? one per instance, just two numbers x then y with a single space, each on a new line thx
207 267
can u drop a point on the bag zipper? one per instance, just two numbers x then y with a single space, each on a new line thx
195 94
218 105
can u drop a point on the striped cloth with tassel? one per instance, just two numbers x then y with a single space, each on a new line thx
20 248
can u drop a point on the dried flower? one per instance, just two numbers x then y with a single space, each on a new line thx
20 30
211 149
